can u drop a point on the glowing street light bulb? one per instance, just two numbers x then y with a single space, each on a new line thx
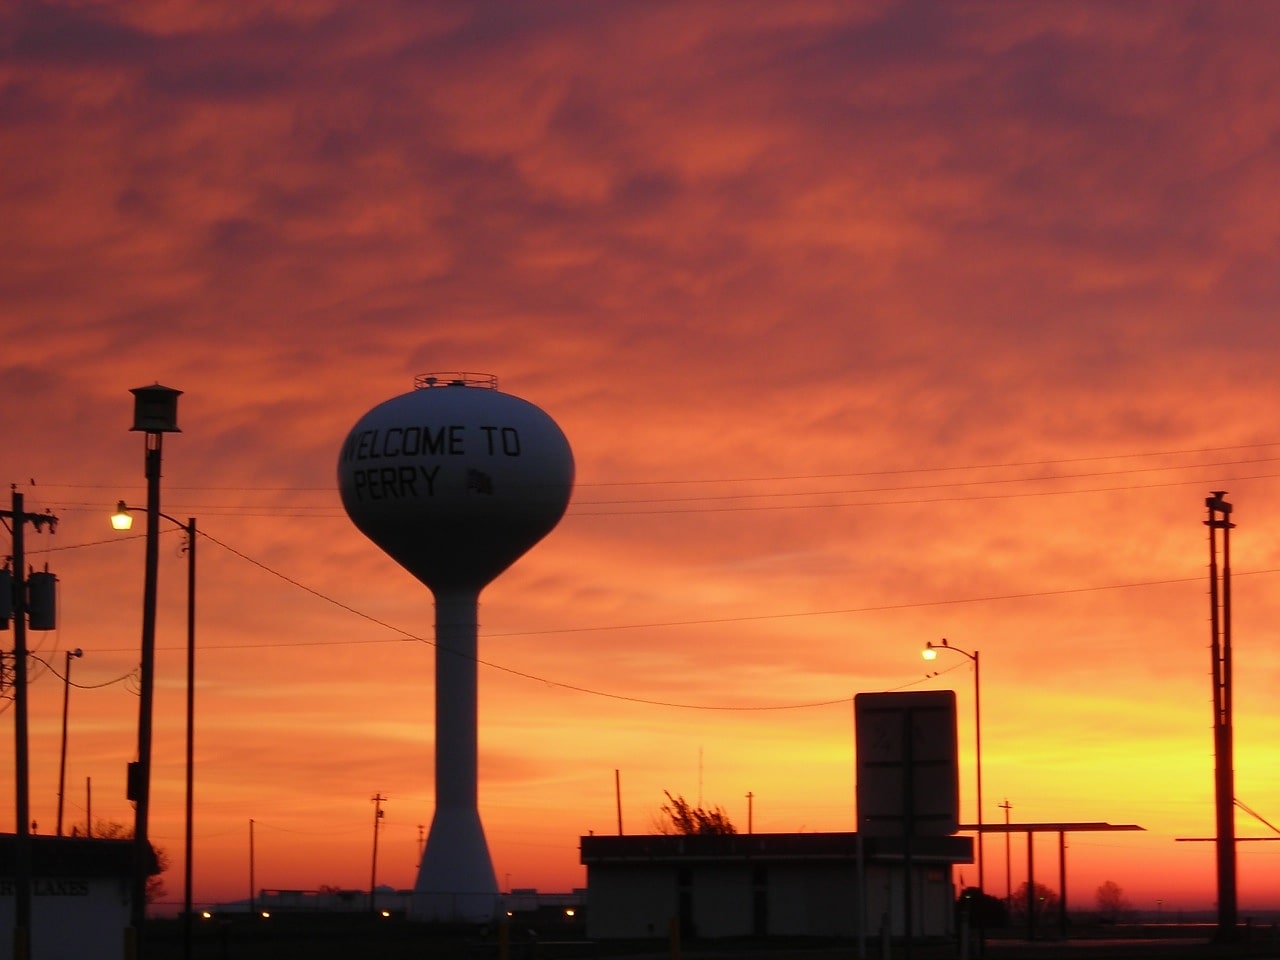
122 519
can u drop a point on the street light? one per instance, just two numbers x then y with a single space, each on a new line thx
930 652
122 519
66 697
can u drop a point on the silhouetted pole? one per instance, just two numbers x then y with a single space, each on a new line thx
21 757
373 875
146 697
22 833
1224 772
251 882
191 721
1008 857
930 651
122 519
66 697
155 414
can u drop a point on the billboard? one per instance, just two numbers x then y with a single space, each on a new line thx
907 768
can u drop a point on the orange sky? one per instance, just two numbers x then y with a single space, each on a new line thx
869 324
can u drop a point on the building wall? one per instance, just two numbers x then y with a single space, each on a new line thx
814 899
643 898
71 918
933 902
639 899
628 901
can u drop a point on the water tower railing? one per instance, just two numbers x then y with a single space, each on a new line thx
428 380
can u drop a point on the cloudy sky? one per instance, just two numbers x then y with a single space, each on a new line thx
869 324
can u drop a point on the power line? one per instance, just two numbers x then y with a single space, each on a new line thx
408 636
582 508
999 465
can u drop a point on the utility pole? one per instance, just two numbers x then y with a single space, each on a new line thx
1008 859
1224 766
252 885
66 698
750 803
155 413
22 806
373 877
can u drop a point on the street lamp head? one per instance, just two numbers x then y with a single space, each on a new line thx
122 519
930 652
77 653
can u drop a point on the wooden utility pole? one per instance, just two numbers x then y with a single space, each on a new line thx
22 808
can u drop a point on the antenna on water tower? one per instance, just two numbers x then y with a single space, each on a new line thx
455 481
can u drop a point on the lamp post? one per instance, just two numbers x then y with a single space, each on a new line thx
930 652
122 519
155 413
66 698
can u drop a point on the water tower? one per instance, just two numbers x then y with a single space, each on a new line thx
455 481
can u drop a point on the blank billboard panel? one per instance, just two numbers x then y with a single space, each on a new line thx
908 772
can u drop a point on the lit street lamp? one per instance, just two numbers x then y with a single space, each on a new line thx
930 652
122 519
66 697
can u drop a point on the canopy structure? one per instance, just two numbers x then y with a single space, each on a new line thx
1061 829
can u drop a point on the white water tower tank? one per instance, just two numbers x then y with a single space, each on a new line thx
455 481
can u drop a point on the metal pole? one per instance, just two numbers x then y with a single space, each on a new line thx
1031 887
251 883
62 765
146 698
373 875
1008 857
191 686
977 735
1224 773
1062 883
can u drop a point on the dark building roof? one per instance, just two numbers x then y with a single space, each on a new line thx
771 846
72 857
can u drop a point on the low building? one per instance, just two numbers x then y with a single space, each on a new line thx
81 889
783 884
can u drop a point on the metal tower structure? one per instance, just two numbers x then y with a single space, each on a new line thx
1224 770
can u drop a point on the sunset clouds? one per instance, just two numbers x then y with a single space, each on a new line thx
869 324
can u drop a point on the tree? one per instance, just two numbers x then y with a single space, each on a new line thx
984 910
679 817
112 830
1113 905
1044 903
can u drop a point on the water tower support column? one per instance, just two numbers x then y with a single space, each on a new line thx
456 879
